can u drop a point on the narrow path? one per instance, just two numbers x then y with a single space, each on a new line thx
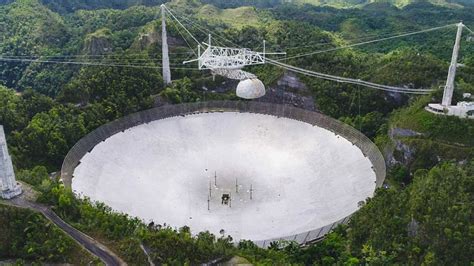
96 248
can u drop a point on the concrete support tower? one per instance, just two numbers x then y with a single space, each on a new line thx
164 48
448 90
9 188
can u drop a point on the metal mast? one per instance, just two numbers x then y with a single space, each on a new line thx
9 188
164 49
448 90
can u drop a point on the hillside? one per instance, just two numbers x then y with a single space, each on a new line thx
420 140
71 6
235 17
336 3
359 3
68 67
26 232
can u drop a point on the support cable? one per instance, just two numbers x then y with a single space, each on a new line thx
182 36
87 63
348 80
104 60
119 62
365 37
371 41
203 29
99 56
169 11
360 118
192 24
468 29
353 94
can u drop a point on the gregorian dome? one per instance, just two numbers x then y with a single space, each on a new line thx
250 89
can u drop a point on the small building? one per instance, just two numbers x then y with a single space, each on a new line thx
462 109
9 188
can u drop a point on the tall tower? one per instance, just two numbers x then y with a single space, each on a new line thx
9 188
164 48
448 90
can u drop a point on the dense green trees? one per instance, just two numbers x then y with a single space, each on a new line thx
451 130
125 234
12 110
71 6
35 176
48 136
29 28
120 91
424 217
368 124
429 222
28 236
18 109
180 92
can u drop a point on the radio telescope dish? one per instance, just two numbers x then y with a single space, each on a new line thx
250 89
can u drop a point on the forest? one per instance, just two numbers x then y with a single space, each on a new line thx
62 75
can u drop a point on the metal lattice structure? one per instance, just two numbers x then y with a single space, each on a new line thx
215 57
233 73
368 148
228 62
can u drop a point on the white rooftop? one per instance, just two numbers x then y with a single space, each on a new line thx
461 109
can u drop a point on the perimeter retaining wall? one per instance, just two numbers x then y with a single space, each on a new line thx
368 148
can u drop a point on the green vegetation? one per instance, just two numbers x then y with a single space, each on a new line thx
73 5
426 223
360 3
425 215
435 126
124 234
437 139
27 236
237 17
332 3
